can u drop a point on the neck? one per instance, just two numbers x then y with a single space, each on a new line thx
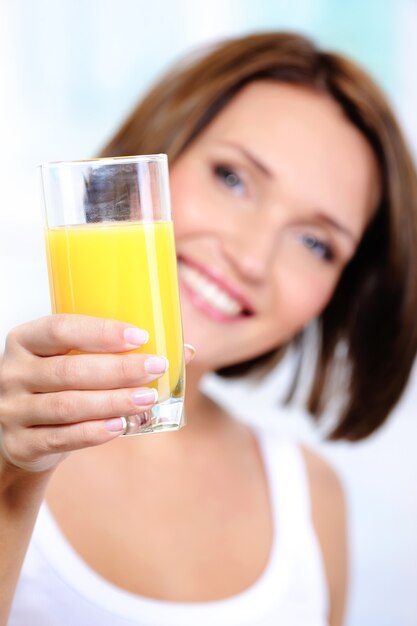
200 411
194 398
203 419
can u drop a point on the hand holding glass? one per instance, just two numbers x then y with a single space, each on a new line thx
111 253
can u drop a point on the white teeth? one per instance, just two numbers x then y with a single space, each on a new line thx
209 291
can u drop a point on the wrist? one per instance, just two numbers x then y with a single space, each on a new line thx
16 484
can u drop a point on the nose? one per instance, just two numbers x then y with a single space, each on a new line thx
251 247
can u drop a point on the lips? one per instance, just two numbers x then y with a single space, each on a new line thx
212 294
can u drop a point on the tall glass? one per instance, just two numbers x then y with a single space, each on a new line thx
111 253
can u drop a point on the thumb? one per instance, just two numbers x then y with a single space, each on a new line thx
189 352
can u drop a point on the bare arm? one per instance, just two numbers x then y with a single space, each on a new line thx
53 402
20 497
329 519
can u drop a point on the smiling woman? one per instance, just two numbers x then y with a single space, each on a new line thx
372 309
263 237
295 202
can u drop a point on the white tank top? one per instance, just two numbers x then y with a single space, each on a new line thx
57 588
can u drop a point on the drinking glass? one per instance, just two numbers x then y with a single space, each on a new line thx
111 253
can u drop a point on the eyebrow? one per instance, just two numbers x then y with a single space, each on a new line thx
337 226
250 157
323 217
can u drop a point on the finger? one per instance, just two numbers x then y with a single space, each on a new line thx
189 352
92 371
66 407
43 442
59 334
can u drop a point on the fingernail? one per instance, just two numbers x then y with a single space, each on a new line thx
156 365
136 336
144 396
116 424
191 349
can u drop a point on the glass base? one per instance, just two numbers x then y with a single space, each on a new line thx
162 417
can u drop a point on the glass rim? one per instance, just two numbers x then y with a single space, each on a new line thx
105 160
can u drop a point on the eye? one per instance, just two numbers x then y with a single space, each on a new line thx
317 247
229 178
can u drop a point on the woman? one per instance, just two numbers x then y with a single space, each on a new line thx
295 202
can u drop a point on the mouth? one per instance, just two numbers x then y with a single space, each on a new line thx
212 294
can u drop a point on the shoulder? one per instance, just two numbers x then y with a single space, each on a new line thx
323 478
328 510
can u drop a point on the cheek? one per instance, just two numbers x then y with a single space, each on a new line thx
186 202
317 295
305 297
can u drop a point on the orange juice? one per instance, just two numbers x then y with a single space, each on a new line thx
125 271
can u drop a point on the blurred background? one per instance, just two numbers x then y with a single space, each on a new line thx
70 70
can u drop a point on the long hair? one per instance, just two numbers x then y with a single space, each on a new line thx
374 307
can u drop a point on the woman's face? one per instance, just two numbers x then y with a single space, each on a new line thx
269 204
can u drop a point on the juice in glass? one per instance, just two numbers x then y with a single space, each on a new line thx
125 271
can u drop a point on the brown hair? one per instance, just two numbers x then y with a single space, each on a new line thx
373 310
